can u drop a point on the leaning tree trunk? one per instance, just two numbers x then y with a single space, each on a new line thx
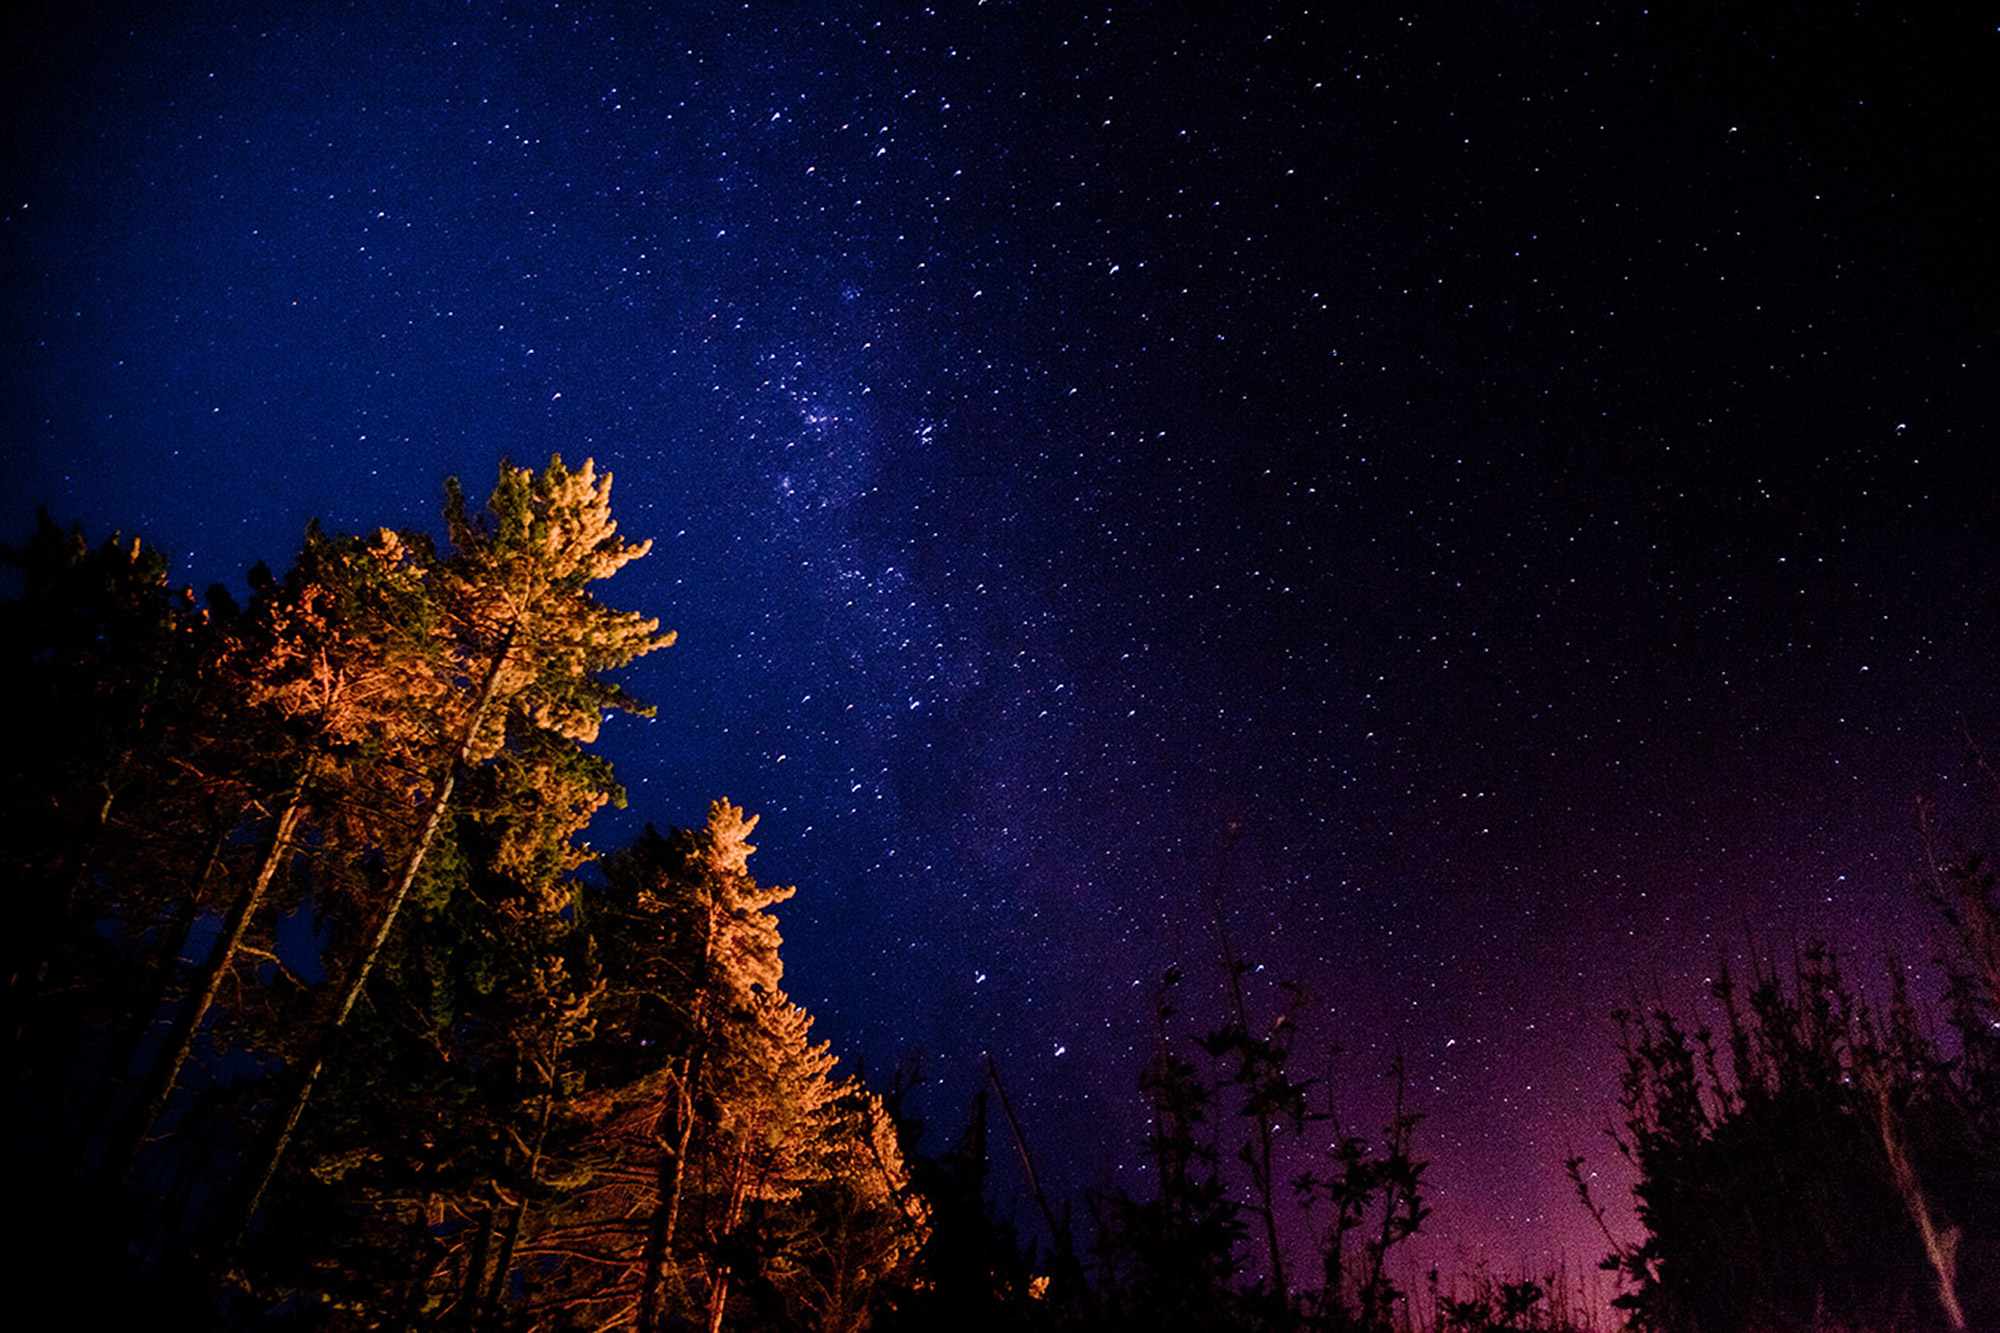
265 1166
472 1288
724 1268
1939 1236
125 1149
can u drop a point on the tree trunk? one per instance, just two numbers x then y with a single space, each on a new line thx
266 1164
474 1285
720 1266
673 1161
511 1236
718 1298
667 1209
1068 1273
1940 1238
124 1152
724 1267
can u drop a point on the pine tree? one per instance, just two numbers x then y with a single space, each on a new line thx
102 848
536 1101
424 1153
731 974
855 1230
525 646
716 1161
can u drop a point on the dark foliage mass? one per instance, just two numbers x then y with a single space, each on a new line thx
316 1020
1820 1162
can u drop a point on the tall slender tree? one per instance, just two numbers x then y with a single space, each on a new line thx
424 1152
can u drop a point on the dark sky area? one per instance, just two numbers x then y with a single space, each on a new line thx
1501 499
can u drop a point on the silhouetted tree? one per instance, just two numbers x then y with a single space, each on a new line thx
1828 1166
1172 1261
972 1272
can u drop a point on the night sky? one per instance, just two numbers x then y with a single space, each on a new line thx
1499 499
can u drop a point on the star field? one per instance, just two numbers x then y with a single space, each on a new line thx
1499 502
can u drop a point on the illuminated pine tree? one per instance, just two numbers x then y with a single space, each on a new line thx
771 1096
525 643
728 972
517 590
715 1154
